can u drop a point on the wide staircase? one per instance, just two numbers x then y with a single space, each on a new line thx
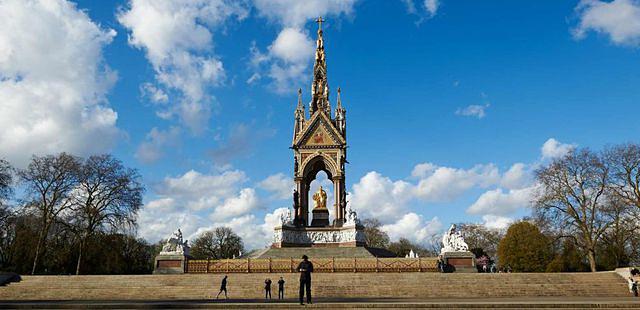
410 286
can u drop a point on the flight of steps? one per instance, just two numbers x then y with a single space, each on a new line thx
335 285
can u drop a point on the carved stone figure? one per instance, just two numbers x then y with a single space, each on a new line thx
320 198
307 237
175 245
452 241
351 217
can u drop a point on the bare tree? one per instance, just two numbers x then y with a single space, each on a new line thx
48 182
107 196
7 231
624 162
219 243
572 195
374 236
478 236
5 181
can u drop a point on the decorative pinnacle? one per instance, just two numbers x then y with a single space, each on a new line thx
300 98
320 21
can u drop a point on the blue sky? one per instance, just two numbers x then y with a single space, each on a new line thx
450 104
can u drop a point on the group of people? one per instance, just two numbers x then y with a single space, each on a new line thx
267 288
305 268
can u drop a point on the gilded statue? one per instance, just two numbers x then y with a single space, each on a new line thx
320 197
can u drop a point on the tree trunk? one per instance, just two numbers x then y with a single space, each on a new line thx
591 255
41 237
80 256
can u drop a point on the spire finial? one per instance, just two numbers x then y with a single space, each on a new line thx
319 20
300 106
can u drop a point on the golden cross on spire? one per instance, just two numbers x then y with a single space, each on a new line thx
320 21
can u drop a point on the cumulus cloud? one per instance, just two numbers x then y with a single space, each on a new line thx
413 227
53 81
280 185
518 176
194 200
618 19
379 197
289 57
177 37
245 202
496 222
553 148
474 110
500 202
286 60
152 148
446 183
198 191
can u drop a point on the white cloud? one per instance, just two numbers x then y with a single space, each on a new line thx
245 202
499 202
286 60
177 36
53 81
431 6
194 200
473 110
422 9
553 148
154 93
197 191
618 19
279 184
423 170
297 13
496 222
377 196
518 176
446 184
413 227
151 149
289 57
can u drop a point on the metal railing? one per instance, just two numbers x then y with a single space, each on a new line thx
333 264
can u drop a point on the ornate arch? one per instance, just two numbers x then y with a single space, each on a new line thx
316 163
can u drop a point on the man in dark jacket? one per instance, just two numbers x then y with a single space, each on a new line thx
267 289
223 288
305 268
281 288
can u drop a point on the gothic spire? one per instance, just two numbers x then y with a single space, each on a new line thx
320 86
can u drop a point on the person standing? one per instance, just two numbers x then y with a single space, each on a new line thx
281 288
267 289
305 268
223 287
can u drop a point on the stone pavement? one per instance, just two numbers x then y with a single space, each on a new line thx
344 303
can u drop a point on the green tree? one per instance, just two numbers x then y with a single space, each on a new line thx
524 248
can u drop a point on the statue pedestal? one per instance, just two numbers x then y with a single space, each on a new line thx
345 236
170 264
320 217
460 262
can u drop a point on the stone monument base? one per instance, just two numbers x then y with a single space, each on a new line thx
291 236
170 264
320 217
460 261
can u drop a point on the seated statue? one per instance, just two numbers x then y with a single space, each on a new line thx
175 245
452 241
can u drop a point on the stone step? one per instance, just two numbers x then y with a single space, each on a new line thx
365 285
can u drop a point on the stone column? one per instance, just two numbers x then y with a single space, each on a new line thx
338 190
303 192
